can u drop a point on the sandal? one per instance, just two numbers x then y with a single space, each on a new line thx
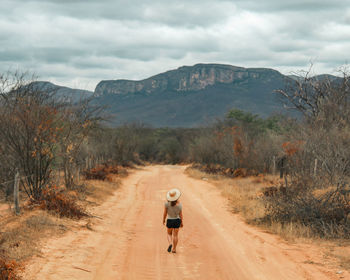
169 248
174 252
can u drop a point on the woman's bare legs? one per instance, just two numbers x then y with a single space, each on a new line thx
170 235
175 239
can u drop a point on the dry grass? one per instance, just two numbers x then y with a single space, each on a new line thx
243 193
19 238
98 191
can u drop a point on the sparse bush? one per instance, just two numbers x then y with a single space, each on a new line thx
97 173
126 142
55 199
137 143
325 214
318 160
212 148
217 169
317 196
241 140
101 172
9 269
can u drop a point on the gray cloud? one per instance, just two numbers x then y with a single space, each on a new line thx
80 42
296 5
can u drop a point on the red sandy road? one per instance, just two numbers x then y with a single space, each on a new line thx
130 242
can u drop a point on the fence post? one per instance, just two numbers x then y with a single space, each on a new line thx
58 177
274 165
78 174
282 166
315 168
16 193
286 180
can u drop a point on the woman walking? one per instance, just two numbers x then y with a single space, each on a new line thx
173 213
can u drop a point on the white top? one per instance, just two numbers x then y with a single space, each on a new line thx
173 211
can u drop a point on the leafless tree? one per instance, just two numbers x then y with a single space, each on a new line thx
79 120
29 127
318 194
40 131
322 99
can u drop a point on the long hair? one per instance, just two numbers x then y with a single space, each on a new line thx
173 203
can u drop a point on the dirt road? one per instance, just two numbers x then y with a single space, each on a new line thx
130 241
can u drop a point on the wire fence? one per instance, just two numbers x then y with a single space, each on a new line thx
78 167
85 164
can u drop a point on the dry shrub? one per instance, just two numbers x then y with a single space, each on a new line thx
101 172
318 158
229 172
318 191
240 172
209 168
9 269
55 199
325 213
97 173
274 191
112 169
267 179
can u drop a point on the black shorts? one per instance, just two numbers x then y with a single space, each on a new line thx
173 223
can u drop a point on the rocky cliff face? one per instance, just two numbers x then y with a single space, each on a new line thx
192 95
186 78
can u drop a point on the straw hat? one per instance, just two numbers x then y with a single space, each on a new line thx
173 195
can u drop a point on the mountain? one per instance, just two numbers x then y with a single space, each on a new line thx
192 95
187 78
188 96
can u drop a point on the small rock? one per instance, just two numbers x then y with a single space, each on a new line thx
339 272
205 179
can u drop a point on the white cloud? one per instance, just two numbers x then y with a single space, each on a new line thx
78 43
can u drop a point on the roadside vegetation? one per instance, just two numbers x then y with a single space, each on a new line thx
312 197
45 152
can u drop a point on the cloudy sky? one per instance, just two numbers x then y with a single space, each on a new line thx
77 43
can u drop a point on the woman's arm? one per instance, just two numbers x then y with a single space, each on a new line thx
182 219
164 214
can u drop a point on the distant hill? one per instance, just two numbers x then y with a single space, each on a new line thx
317 77
192 95
61 91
